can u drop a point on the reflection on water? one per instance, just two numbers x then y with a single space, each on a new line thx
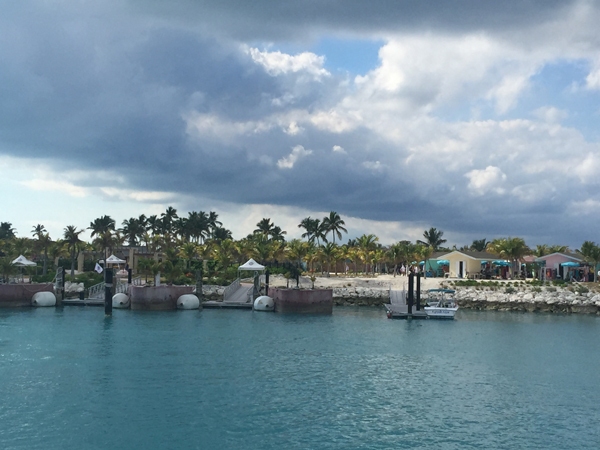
237 379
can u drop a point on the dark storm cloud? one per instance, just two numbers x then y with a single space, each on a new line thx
164 95
274 19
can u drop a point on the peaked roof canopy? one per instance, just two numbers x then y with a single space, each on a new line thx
251 265
112 259
22 261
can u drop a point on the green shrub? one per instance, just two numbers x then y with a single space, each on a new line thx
580 289
536 289
509 290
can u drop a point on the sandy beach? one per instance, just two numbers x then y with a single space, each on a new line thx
376 282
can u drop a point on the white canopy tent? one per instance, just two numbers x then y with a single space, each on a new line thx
112 259
22 261
251 265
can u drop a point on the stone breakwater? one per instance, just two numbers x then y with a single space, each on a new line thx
555 300
548 299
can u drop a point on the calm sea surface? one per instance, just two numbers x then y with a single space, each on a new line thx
71 379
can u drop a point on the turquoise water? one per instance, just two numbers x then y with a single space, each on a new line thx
71 379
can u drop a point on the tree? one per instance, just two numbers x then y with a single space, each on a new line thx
591 253
335 224
264 227
71 236
6 231
513 249
479 245
296 250
133 230
43 241
328 251
366 244
396 255
433 238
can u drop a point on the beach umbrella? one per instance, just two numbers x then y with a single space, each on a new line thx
501 263
443 262
421 263
483 262
570 264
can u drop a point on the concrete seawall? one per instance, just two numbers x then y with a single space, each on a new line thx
18 295
159 298
308 301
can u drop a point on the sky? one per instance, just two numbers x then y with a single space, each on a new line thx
477 118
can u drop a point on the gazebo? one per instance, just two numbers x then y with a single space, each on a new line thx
255 267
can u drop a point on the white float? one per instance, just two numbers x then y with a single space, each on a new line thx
264 303
120 301
43 299
188 301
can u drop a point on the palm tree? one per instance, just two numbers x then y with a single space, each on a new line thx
366 244
132 230
43 242
297 250
395 255
101 225
277 234
264 227
307 224
513 249
328 251
6 231
220 234
335 224
225 253
479 245
433 238
213 223
71 236
145 266
591 253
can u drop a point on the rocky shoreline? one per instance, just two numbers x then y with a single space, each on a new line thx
529 299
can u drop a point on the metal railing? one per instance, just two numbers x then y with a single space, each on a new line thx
97 291
229 290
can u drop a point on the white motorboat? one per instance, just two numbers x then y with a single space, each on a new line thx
441 304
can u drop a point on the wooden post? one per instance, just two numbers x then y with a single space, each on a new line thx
267 282
129 271
108 282
63 283
199 284
418 292
411 286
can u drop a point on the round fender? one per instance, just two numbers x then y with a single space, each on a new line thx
43 299
120 301
188 301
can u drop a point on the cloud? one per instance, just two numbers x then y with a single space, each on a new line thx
484 181
277 63
297 153
143 103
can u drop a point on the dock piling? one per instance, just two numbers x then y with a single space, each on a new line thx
108 282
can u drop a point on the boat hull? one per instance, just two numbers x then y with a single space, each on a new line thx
440 313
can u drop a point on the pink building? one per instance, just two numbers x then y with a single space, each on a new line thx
553 264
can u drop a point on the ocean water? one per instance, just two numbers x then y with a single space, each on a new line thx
212 379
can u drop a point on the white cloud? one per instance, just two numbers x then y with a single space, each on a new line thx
550 114
483 181
293 129
338 149
373 165
297 153
278 63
